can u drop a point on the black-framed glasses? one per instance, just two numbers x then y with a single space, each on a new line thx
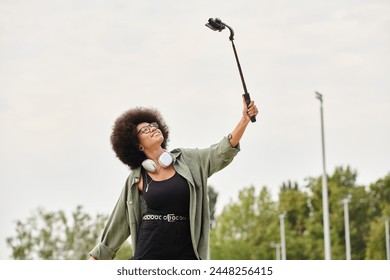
148 128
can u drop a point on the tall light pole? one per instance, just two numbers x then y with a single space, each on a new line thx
277 247
387 236
325 203
282 235
345 202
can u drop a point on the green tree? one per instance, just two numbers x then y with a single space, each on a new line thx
243 229
52 235
376 244
246 228
124 252
213 197
380 196
314 227
266 228
340 184
379 208
294 202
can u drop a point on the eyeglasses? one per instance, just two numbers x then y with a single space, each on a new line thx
148 128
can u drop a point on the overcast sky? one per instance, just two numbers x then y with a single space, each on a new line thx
69 68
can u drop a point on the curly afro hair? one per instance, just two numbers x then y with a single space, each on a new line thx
124 137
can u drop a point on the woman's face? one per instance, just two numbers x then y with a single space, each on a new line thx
149 135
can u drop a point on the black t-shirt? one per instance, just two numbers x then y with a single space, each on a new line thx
171 196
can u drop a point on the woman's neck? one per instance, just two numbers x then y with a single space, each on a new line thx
154 154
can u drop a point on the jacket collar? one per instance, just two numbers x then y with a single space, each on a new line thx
181 168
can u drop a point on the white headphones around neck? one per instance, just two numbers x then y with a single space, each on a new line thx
165 160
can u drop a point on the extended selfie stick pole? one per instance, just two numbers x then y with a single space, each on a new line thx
217 25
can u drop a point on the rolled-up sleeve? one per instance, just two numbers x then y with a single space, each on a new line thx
221 155
226 151
102 252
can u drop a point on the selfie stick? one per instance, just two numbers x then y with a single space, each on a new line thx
217 25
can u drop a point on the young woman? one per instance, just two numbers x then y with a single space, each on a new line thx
164 204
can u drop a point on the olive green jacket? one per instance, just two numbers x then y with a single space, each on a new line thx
195 165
